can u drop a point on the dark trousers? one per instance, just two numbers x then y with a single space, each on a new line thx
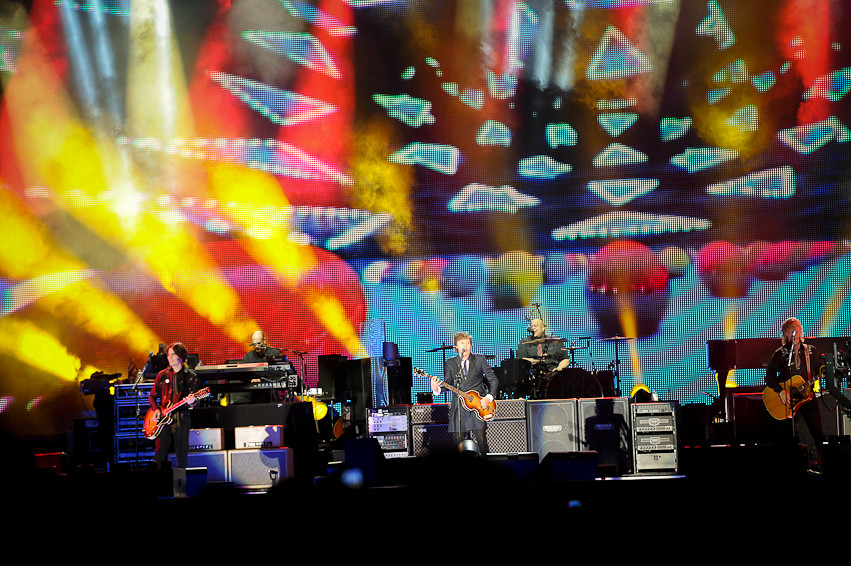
177 435
810 416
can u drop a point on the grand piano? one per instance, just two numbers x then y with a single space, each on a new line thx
755 353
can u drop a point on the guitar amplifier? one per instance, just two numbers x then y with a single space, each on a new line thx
269 436
510 409
206 439
430 413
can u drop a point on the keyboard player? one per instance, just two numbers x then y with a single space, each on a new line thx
260 352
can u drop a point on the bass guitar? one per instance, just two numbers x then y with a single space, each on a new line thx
152 427
799 391
470 400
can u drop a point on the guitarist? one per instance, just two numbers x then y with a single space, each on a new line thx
795 358
468 371
171 385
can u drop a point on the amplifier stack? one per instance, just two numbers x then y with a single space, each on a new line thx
625 437
259 459
654 437
131 405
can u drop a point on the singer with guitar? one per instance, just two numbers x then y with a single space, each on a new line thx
789 377
174 384
468 371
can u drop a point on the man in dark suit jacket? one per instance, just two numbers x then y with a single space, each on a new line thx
468 371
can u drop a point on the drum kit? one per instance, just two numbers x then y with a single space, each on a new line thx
543 380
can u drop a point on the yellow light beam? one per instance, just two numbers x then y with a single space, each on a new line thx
54 281
256 203
19 339
56 150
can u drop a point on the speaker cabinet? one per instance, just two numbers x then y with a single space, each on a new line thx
605 428
429 439
506 436
258 469
552 426
216 463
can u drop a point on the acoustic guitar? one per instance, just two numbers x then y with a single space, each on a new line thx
470 400
799 391
153 427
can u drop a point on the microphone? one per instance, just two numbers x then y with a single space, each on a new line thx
792 347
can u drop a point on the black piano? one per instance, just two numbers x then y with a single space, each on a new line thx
755 353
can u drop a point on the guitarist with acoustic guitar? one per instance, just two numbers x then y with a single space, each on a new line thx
175 384
789 378
468 372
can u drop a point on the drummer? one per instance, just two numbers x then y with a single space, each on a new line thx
545 354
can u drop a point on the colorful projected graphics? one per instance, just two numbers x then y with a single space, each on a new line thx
340 173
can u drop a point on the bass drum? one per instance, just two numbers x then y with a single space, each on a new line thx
573 383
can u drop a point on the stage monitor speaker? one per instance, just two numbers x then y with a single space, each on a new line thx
605 427
569 466
551 426
523 466
364 454
259 469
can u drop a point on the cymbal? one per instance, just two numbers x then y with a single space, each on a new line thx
610 338
532 360
543 340
439 348
571 348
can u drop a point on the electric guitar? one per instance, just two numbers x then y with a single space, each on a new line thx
799 391
153 427
470 400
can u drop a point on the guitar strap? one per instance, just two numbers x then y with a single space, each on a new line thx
807 356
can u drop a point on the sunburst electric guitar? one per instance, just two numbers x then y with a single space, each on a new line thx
470 400
799 391
153 427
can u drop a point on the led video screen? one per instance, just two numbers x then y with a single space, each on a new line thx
644 175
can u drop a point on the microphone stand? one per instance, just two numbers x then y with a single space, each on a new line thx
135 389
300 355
